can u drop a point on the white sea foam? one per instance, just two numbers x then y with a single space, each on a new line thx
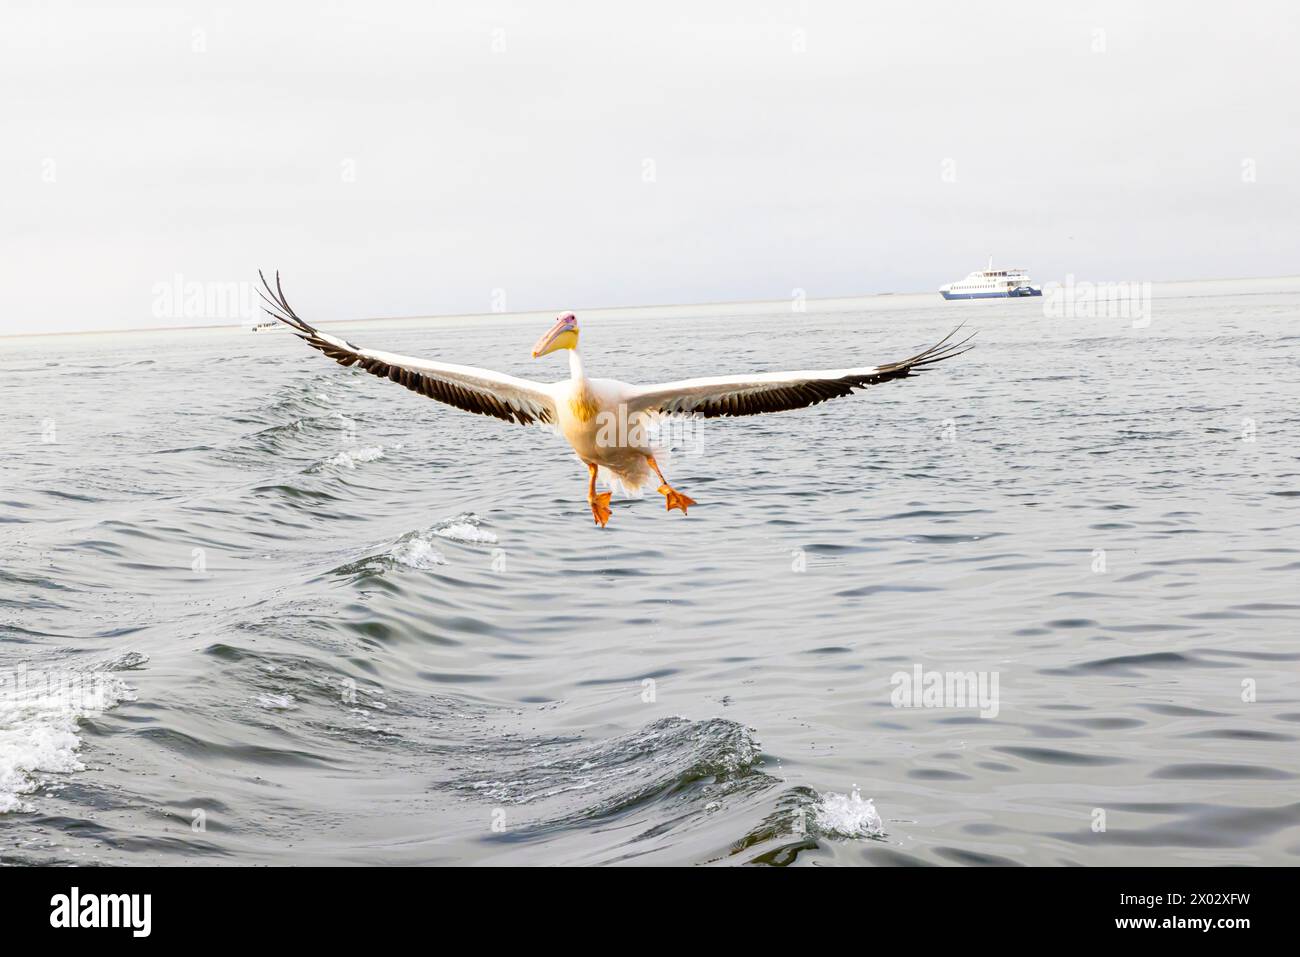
847 815
464 528
416 551
349 458
39 716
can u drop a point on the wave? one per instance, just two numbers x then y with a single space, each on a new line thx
800 818
419 549
40 714
687 766
847 815
464 528
414 551
276 702
349 458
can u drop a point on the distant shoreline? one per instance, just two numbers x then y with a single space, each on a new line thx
723 303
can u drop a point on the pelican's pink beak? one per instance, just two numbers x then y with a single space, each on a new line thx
562 335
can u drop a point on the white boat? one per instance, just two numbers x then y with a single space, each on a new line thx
992 283
264 326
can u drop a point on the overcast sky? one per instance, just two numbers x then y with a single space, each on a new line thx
428 158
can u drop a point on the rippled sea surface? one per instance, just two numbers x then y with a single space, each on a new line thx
259 609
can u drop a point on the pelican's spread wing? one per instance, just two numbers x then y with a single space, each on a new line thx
465 387
779 391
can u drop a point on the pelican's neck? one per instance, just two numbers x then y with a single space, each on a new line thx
575 366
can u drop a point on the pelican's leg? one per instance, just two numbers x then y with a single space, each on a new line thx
599 501
673 498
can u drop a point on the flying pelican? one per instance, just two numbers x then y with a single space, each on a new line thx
604 420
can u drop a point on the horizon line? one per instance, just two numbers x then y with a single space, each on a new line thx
481 315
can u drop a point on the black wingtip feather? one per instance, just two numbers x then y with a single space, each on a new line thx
277 305
786 397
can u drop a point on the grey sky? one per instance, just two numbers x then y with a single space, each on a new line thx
400 159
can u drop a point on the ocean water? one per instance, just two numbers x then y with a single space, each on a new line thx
259 609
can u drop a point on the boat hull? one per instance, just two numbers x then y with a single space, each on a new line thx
1011 294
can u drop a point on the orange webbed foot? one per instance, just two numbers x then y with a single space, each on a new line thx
675 499
600 510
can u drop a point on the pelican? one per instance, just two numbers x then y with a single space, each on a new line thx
605 421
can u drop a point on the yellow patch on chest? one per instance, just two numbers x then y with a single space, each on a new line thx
583 406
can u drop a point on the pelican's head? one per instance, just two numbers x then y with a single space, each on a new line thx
562 335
